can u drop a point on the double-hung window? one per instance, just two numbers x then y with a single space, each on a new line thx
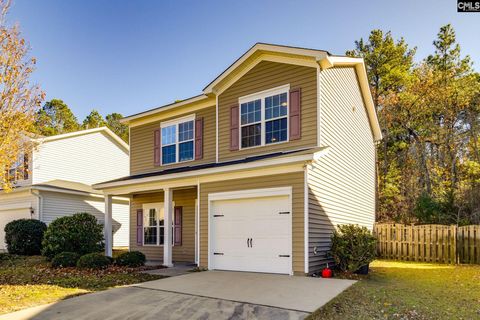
19 170
177 140
154 224
264 117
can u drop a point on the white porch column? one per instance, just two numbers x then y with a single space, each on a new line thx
108 225
167 245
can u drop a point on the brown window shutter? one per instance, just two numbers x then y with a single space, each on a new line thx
156 146
25 166
177 225
234 128
198 138
295 110
139 227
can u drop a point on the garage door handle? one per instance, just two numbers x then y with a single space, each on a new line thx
218 253
284 212
217 215
284 255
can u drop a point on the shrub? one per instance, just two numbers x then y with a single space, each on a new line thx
80 233
352 247
24 236
131 259
65 259
94 261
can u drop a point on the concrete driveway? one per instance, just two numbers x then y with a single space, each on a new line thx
201 295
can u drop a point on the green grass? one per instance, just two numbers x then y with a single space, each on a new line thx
407 290
30 281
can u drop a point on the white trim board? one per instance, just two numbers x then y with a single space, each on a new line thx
251 193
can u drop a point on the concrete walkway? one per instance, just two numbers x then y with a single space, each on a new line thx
177 270
200 295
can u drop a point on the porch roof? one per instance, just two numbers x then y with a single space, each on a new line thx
204 168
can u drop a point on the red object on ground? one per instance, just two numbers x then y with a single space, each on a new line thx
327 272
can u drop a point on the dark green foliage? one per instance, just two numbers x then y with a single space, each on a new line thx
55 117
80 233
352 247
114 124
93 120
24 236
94 261
65 259
430 210
131 259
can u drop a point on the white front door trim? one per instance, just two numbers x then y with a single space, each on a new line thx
243 194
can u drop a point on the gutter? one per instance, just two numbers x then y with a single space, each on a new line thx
40 203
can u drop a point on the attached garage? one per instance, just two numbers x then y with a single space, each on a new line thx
251 230
13 207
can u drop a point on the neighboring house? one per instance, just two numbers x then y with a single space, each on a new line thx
253 174
54 179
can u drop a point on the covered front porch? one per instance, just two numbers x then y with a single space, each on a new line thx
163 224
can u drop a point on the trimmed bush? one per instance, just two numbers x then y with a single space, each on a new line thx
94 261
65 259
24 236
352 247
131 259
80 233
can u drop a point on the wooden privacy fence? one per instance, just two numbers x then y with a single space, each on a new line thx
428 243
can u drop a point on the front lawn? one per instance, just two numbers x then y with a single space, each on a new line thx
30 281
404 290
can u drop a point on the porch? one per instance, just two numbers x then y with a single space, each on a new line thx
163 225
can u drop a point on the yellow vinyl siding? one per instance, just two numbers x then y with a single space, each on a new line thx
295 180
267 75
141 143
342 183
186 199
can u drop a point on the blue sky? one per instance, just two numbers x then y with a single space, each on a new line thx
129 56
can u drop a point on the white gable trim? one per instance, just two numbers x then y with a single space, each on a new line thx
316 54
109 132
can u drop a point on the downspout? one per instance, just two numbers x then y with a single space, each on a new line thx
39 197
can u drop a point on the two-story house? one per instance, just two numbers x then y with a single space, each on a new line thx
254 173
54 178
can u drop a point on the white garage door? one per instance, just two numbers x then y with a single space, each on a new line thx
253 234
8 215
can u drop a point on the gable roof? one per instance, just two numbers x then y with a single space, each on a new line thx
266 48
104 130
278 53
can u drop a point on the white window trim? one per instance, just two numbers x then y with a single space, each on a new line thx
175 122
159 206
261 96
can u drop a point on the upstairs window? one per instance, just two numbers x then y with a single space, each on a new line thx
264 117
177 140
251 121
19 170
